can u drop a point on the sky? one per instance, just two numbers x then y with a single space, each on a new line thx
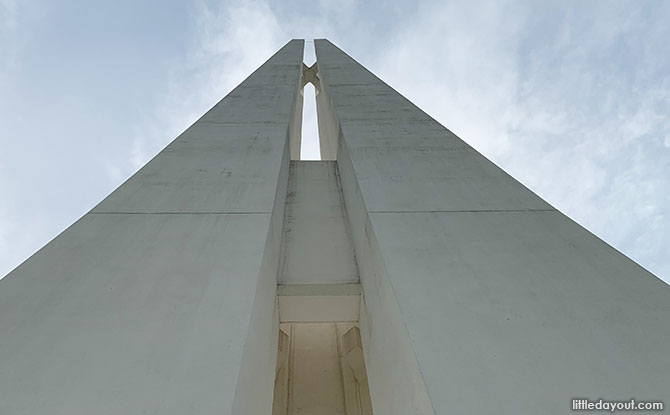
572 98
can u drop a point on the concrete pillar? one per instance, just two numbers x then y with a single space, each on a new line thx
162 298
480 297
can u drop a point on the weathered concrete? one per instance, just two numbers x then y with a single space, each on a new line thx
479 297
162 298
317 242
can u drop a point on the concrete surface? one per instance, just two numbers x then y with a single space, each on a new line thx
314 303
479 297
162 298
320 373
317 242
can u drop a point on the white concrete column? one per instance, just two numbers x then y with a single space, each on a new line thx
162 298
475 288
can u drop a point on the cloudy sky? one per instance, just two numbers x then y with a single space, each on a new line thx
570 97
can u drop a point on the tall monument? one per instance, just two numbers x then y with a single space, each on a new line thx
404 273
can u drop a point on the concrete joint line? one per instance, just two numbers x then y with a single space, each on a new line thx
179 213
463 211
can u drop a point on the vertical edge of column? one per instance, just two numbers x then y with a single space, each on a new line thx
295 129
326 118
254 390
395 380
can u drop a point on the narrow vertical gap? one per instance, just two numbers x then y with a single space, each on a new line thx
310 147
